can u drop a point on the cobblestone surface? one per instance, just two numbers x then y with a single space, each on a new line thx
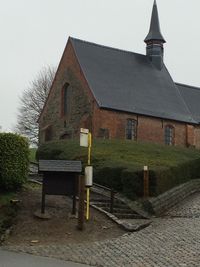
171 241
189 208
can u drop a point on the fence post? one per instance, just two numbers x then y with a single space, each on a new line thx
43 198
80 225
146 182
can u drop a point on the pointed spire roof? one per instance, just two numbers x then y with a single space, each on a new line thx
154 31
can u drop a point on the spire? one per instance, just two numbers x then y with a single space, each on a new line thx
154 31
155 40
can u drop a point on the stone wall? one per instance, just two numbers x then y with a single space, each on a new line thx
170 198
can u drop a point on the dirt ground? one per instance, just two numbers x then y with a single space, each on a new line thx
28 229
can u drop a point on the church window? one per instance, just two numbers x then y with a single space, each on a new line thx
65 99
131 129
169 135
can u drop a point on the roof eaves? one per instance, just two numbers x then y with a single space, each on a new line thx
164 117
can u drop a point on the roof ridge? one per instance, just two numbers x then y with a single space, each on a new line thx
187 85
107 47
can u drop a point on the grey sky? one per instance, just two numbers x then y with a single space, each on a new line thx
33 34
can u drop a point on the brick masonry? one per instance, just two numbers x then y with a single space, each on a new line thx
85 112
80 112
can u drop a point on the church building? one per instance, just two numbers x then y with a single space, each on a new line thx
120 94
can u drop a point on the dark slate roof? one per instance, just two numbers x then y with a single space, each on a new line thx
126 81
191 96
59 166
154 31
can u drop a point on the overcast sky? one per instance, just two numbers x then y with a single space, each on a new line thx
33 34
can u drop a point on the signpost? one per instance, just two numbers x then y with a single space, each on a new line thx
146 182
86 141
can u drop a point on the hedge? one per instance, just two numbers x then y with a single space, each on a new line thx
14 161
119 164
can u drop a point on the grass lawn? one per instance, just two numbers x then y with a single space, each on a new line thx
121 153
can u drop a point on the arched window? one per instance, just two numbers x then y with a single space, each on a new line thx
131 129
65 99
169 135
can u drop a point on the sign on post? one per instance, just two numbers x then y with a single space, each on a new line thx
88 176
84 137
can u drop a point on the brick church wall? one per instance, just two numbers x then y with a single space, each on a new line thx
84 112
148 129
80 105
197 137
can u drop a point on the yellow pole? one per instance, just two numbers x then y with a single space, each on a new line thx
89 147
88 189
88 204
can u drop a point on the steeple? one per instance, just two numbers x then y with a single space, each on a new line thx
155 40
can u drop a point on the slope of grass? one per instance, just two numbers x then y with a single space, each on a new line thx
124 153
119 163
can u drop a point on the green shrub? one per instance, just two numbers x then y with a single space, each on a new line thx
119 163
14 160
110 177
132 183
169 177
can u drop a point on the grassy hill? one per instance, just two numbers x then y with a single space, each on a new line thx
119 163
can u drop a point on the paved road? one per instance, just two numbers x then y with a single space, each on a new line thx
11 259
171 241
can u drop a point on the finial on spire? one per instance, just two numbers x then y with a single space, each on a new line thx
154 31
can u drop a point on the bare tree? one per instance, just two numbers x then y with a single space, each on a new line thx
32 102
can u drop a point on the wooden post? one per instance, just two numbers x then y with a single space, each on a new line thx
74 205
146 182
74 195
87 203
80 225
43 198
